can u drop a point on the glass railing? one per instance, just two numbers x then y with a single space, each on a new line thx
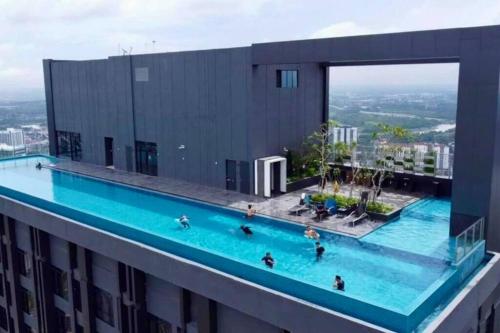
467 240
420 163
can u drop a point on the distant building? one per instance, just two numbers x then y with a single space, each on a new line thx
12 137
345 134
442 156
443 162
12 142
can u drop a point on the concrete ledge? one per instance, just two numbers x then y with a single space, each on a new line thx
463 309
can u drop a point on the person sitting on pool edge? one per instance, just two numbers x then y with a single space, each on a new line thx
268 260
338 283
250 212
319 250
184 221
246 229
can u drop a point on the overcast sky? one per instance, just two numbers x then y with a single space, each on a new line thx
33 30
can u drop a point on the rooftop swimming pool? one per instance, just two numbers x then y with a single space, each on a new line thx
395 276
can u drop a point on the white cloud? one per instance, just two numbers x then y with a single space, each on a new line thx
425 15
341 29
32 12
86 29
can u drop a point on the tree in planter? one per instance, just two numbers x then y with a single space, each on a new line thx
321 150
336 180
343 149
385 138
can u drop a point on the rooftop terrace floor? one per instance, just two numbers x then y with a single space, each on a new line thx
276 207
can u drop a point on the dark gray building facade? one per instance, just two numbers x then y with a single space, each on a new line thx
199 108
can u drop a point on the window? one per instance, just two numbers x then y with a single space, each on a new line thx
104 306
24 263
157 325
146 158
69 145
287 79
27 301
28 329
7 292
63 322
141 74
2 226
60 279
77 297
5 263
3 318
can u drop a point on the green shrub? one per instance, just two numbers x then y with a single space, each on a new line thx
428 169
342 201
310 172
318 197
428 161
408 160
379 207
398 162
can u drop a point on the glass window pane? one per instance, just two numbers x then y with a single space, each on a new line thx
295 79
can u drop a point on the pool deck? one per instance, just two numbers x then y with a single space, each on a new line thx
276 207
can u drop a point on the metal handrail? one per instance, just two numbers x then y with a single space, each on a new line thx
466 241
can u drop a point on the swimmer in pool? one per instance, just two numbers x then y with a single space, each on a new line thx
338 283
319 250
184 221
311 233
246 229
268 260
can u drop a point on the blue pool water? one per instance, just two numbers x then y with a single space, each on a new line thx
423 228
394 269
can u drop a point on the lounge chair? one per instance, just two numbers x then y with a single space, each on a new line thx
346 211
328 208
360 213
304 205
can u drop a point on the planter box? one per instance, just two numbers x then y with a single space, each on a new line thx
302 183
385 217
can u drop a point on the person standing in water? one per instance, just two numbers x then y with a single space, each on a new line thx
338 283
319 250
268 260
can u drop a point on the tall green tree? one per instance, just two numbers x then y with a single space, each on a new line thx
321 150
343 149
385 138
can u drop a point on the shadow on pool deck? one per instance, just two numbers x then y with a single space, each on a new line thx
275 207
